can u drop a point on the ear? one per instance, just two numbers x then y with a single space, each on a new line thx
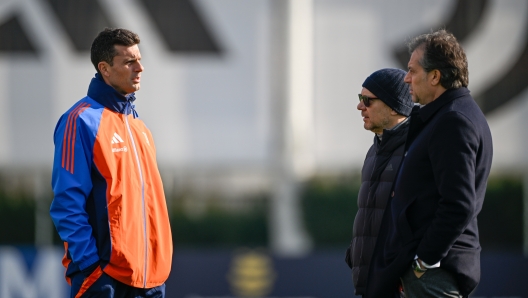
436 75
393 112
103 67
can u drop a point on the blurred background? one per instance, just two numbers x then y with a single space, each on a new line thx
260 145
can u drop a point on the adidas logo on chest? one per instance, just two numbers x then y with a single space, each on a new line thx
117 139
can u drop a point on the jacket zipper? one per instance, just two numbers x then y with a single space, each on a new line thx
142 197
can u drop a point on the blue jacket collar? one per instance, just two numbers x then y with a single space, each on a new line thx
107 96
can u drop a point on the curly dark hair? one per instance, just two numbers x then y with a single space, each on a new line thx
103 45
442 51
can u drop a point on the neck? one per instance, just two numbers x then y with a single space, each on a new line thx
393 125
439 91
397 121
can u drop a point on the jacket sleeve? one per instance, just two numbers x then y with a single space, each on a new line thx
453 151
71 183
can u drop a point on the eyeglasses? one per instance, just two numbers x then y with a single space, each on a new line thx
366 100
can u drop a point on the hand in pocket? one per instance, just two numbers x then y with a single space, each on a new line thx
418 274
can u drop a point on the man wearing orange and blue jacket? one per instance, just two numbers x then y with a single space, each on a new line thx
109 206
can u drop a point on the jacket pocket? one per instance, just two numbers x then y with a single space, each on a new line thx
89 281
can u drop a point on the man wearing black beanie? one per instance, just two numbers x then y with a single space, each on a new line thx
385 104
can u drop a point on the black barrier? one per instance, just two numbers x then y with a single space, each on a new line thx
255 273
322 274
27 272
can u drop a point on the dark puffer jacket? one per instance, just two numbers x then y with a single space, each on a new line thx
377 176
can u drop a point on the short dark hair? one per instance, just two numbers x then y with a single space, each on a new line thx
442 51
103 45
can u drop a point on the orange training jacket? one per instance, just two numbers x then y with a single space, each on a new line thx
109 205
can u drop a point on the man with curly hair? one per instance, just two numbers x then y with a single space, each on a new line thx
430 241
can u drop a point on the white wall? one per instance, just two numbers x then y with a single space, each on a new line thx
210 111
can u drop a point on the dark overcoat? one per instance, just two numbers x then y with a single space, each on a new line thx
437 195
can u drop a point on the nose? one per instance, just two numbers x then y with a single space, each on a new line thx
407 78
139 67
361 106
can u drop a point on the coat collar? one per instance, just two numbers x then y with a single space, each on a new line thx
420 116
107 96
427 111
392 138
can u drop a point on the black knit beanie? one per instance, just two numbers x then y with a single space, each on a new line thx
388 85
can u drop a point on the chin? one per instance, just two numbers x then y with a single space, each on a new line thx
133 89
